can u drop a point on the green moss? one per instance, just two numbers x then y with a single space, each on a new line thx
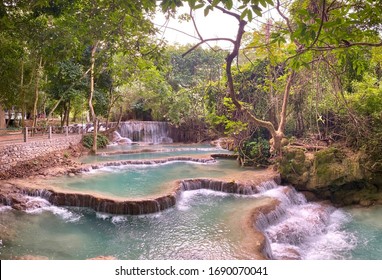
330 155
293 166
329 168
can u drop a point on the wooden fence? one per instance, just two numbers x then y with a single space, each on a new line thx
35 133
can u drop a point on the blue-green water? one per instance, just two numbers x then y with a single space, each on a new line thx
203 224
161 151
366 224
144 180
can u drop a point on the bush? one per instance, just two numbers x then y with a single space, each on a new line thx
102 141
255 152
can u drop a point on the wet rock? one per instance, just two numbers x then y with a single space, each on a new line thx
19 206
365 203
310 196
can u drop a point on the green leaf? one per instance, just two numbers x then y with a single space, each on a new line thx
313 34
207 10
257 10
215 3
192 3
243 14
250 15
198 6
263 3
228 4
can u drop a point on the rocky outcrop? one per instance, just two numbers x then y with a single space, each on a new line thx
335 174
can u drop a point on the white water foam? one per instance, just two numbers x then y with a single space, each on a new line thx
5 208
37 205
186 198
123 167
117 219
301 230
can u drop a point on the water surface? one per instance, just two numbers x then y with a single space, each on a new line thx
137 181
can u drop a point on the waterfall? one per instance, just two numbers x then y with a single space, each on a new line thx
146 131
117 138
296 229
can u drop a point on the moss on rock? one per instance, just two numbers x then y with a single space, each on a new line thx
294 166
336 174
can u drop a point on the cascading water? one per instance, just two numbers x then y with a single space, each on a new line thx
297 229
118 139
146 131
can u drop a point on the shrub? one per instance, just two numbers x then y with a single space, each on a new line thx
255 152
102 141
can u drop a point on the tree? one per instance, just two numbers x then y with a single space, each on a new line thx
106 27
190 77
311 28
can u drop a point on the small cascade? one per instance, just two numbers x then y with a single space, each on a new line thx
146 131
118 139
216 185
295 227
100 204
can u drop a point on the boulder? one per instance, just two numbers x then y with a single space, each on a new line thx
339 175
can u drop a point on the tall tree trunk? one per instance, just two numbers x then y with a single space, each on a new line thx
22 91
2 120
68 115
91 108
36 91
109 106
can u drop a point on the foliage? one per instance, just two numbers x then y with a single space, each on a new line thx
255 152
190 77
102 141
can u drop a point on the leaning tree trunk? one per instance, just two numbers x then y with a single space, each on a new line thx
277 135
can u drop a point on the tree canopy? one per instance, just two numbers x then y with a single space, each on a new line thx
314 69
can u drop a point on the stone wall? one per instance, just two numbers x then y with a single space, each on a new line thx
11 154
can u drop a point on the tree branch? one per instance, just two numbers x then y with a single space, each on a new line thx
195 26
321 25
207 40
225 11
285 102
278 5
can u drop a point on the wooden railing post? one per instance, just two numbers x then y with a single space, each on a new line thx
26 134
50 132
